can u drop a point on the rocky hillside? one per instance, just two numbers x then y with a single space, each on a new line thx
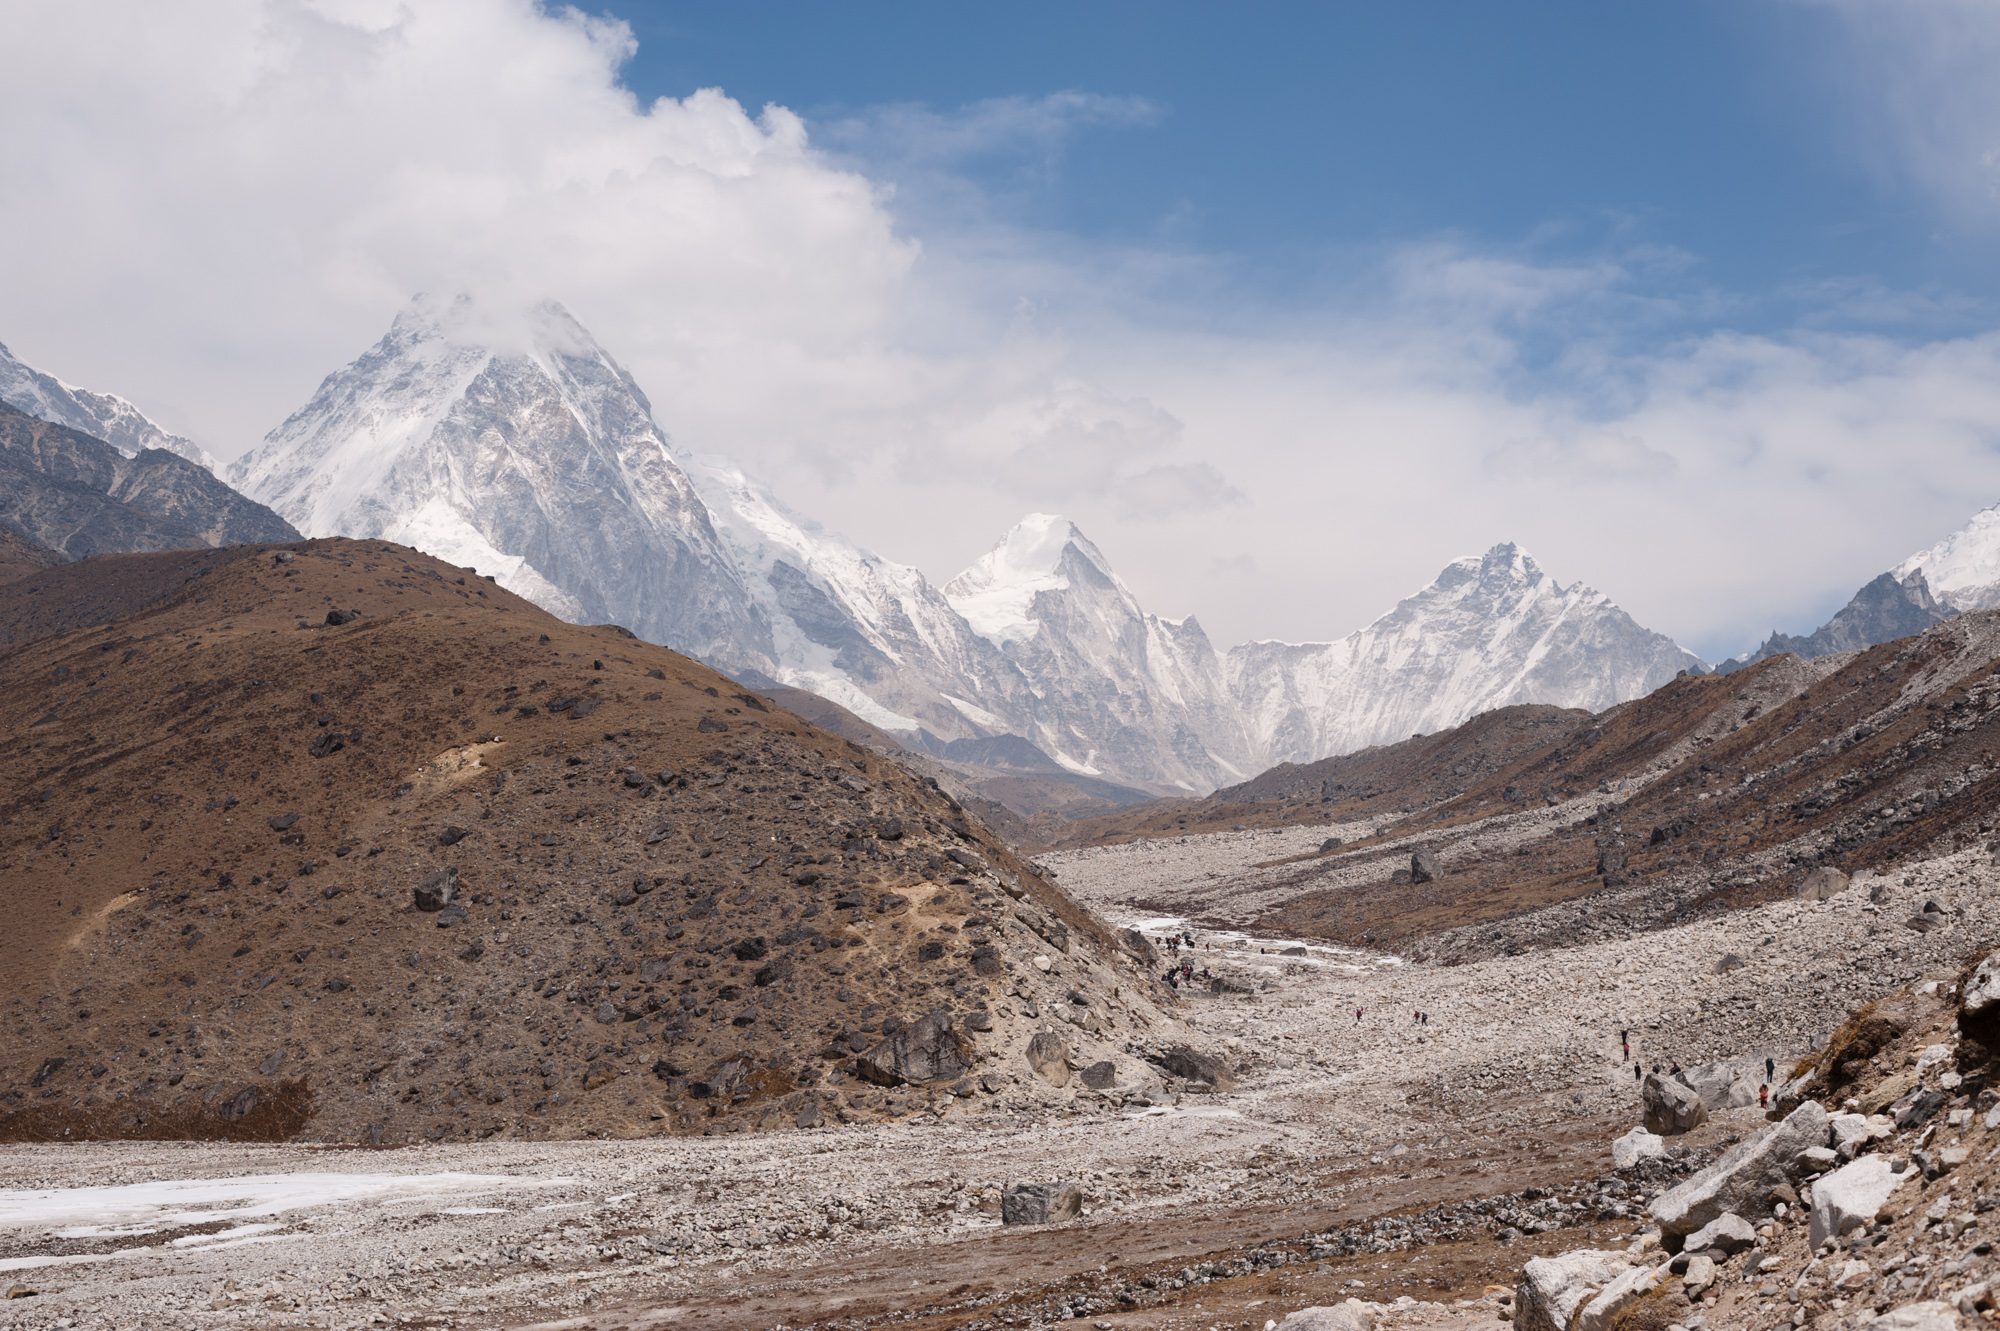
340 841
79 496
1863 1205
20 556
1711 793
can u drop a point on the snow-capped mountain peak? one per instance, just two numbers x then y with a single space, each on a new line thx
103 416
1042 553
506 439
1962 570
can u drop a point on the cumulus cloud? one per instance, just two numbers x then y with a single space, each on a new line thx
216 203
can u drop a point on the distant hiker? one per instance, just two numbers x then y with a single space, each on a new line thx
1357 1016
1770 1069
1763 1097
1637 1075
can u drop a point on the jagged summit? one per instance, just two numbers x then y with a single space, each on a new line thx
1042 552
506 439
104 416
1963 570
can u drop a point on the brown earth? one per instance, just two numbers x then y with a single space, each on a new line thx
676 908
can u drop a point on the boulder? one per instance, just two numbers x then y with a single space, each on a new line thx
1193 1065
1327 846
1049 1057
1101 1076
1637 1145
1552 1289
1671 1105
927 1050
1700 1274
1728 1233
1347 1315
1930 918
1979 1003
1928 1316
436 891
1730 1083
1823 884
1040 1203
1852 1196
1852 1134
1424 867
1612 1306
1742 1180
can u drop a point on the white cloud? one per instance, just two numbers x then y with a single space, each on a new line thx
213 204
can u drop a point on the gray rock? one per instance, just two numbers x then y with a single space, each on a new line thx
1742 1180
1347 1315
1040 1203
1552 1289
1823 884
1049 1057
436 891
1637 1145
927 1050
1852 1196
1979 1003
1193 1065
1700 1274
1101 1076
1424 867
1927 1316
1727 1234
1671 1105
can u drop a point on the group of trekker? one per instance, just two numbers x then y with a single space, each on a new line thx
1673 1069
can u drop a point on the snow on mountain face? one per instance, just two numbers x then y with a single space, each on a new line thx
1962 570
1492 631
100 415
519 448
874 636
1118 691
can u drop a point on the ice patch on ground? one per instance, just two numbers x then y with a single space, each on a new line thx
142 1208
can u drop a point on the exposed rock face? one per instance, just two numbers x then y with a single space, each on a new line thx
1742 1180
1671 1106
79 496
1193 1065
1892 606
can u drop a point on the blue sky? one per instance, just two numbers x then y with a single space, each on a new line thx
1290 136
1287 305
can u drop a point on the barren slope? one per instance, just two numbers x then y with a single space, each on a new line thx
675 906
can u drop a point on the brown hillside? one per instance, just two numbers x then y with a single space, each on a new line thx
232 774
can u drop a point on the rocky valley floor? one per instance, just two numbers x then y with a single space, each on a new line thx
1352 1151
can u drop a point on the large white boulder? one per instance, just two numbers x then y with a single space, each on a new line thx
1348 1315
1851 1196
1743 1178
1932 1316
1637 1145
1551 1289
